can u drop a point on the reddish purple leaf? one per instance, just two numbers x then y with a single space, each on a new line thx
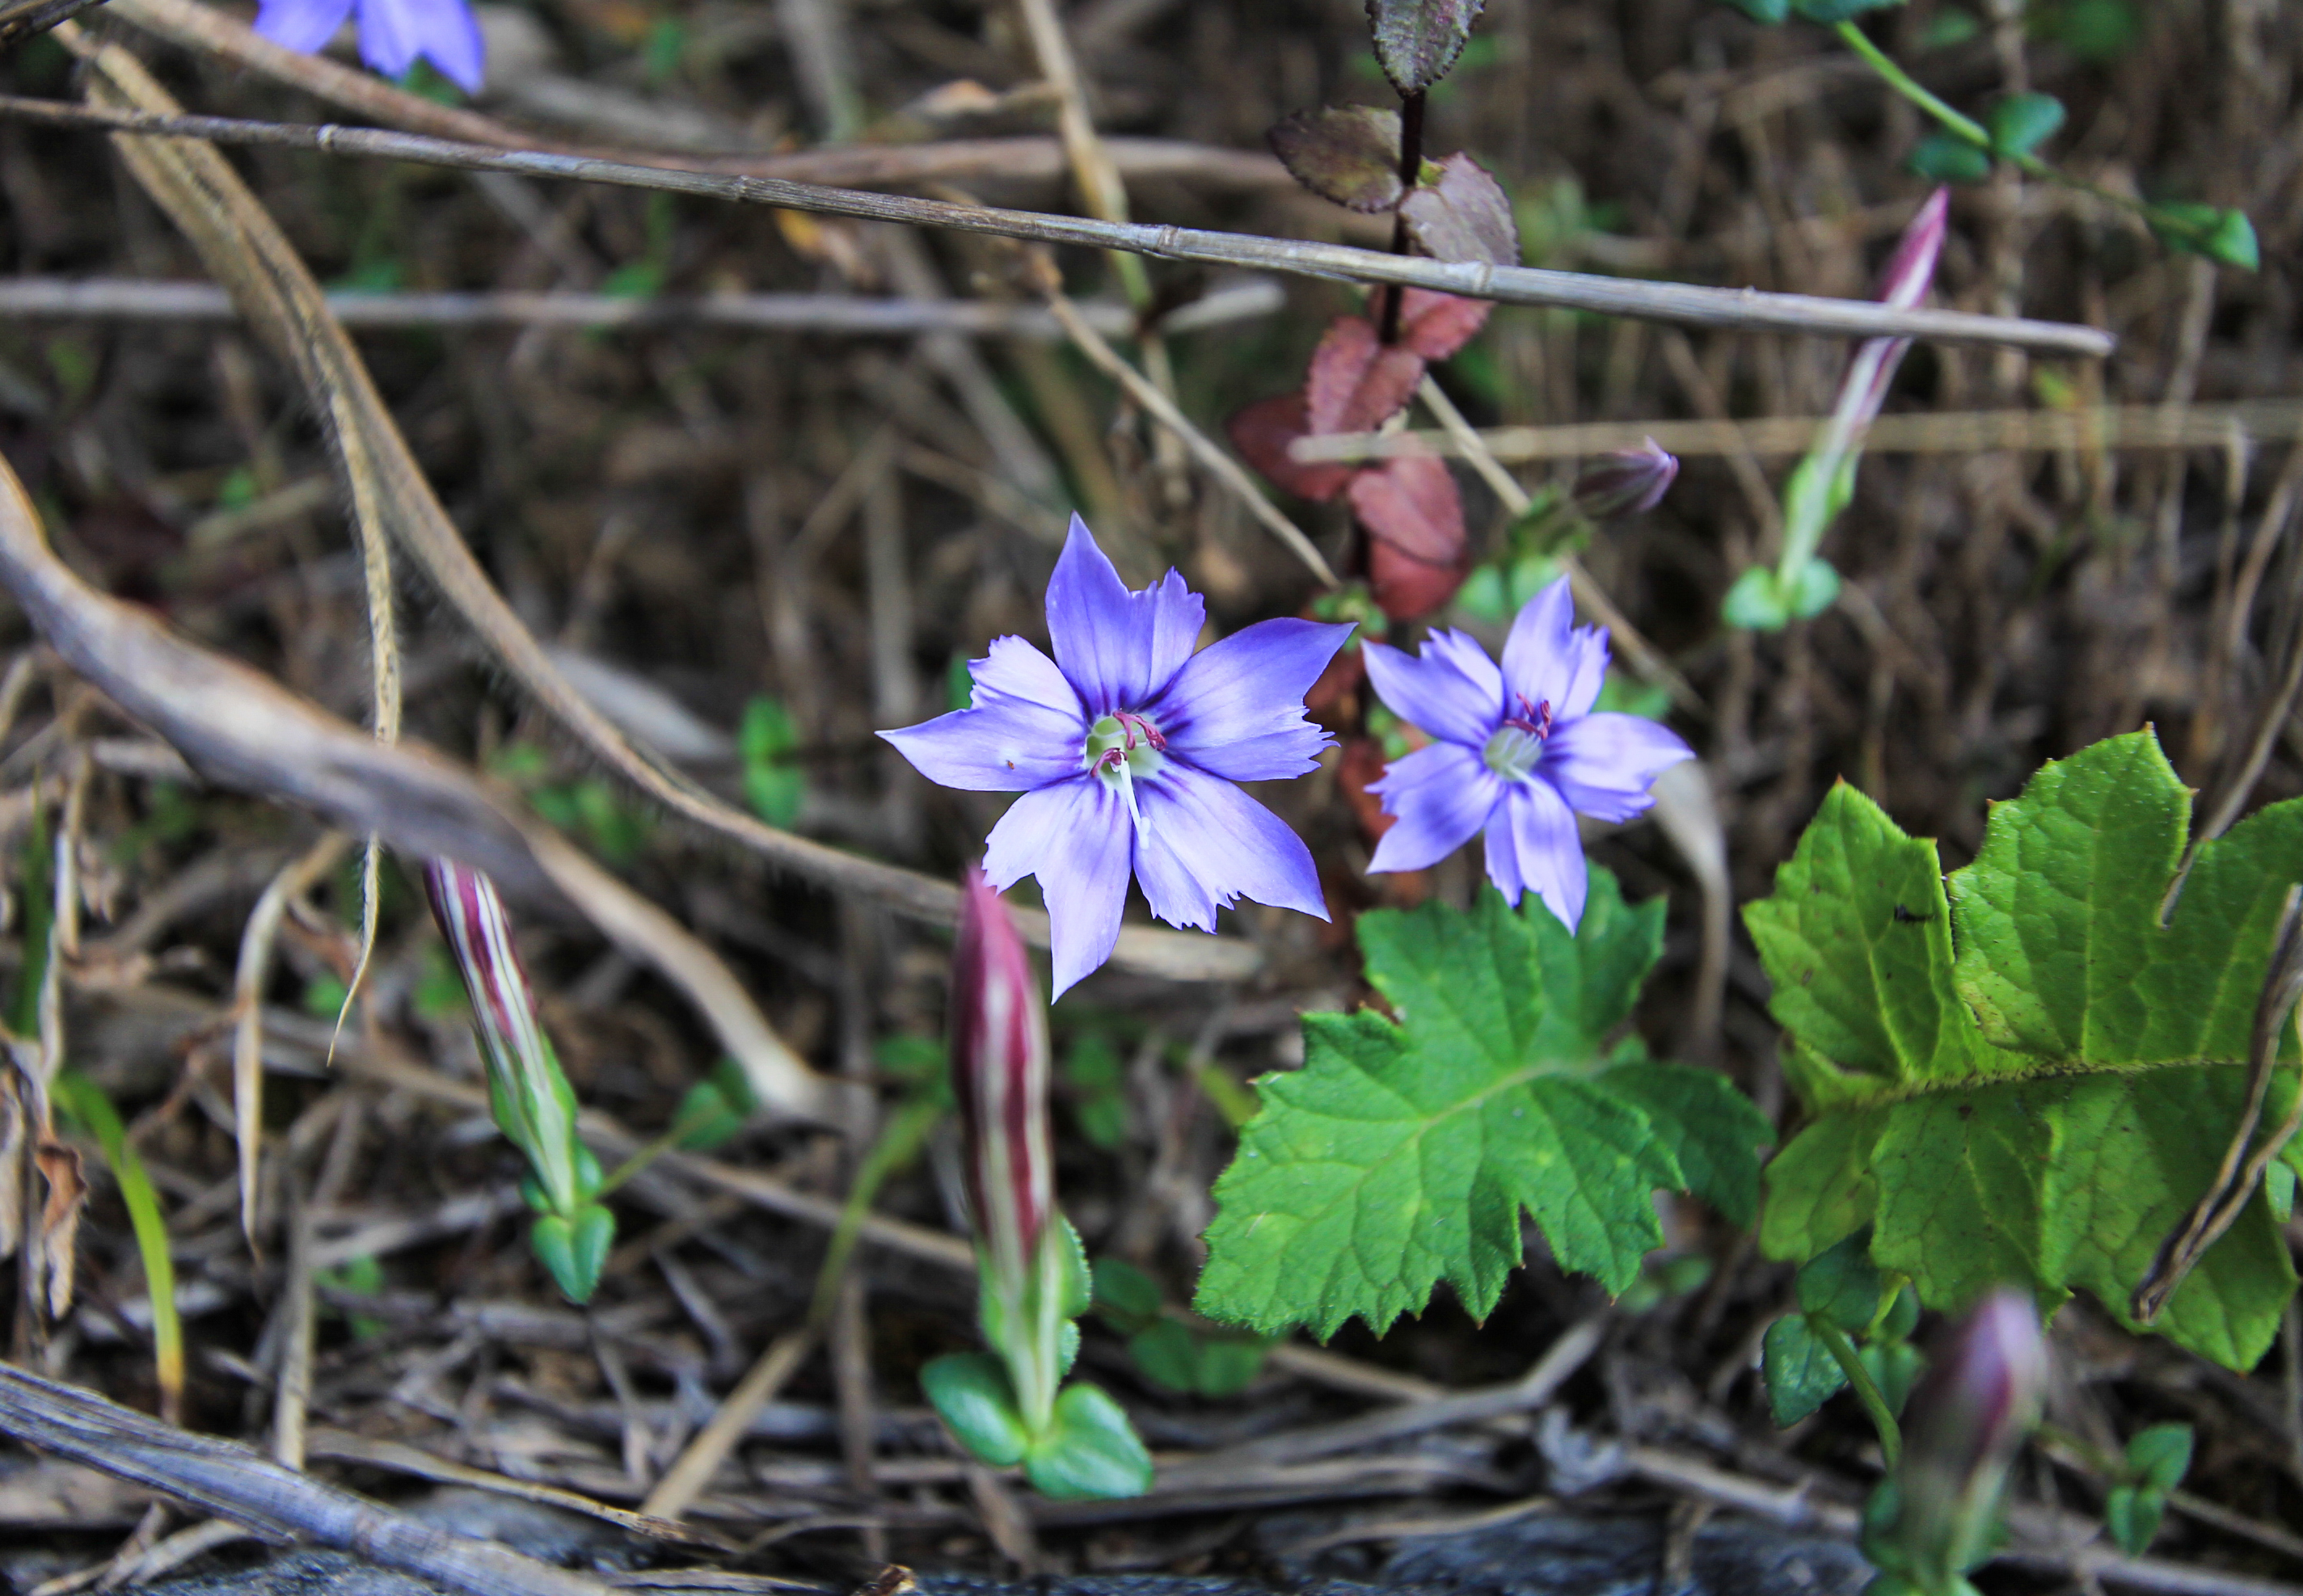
1348 154
1465 216
1357 383
1262 433
1416 547
1437 325
1418 40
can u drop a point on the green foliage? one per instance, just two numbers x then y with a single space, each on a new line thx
2156 1461
85 1101
1417 41
715 1110
2044 1104
587 806
2225 236
2021 122
773 785
1093 1070
1760 601
1195 1359
1405 1151
2098 32
1841 1292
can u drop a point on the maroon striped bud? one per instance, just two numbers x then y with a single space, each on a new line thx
1967 1419
1000 1067
1625 482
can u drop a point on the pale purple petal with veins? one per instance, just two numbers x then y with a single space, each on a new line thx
1522 772
1603 764
1236 710
1206 844
1075 837
1439 798
1533 847
1430 692
1025 728
303 25
1119 648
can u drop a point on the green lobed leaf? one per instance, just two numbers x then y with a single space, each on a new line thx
2045 1103
1405 1150
1417 41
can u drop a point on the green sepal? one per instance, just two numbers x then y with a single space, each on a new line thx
1074 1284
1948 159
532 1193
2021 122
1801 1372
970 1393
1089 1451
574 1251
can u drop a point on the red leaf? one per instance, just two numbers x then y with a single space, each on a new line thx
1262 433
1356 383
1437 325
1465 216
1417 552
1348 154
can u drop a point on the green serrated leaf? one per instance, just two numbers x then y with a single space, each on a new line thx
1840 1285
2021 122
1801 1374
2045 1106
1405 1150
1714 1130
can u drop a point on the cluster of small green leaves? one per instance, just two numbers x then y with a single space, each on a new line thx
1169 1350
2013 130
1406 1148
1850 1321
2155 1462
2033 1077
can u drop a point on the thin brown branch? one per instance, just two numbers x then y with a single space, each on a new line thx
1686 304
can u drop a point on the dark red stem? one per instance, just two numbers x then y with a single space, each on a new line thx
1411 167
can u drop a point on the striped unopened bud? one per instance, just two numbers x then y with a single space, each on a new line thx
532 1103
1967 1417
1625 482
999 1062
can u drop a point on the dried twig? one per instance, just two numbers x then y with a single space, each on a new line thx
686 1479
1685 304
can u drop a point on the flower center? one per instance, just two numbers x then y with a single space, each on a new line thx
1518 742
1120 747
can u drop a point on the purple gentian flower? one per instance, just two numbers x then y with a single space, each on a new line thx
1125 748
1517 751
393 33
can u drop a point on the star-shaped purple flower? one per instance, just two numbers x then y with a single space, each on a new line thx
1125 748
393 33
1517 752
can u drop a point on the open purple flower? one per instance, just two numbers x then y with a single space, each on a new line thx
1517 752
1125 747
393 33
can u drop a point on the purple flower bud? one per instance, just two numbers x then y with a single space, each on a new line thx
1912 269
532 1103
1910 272
1625 482
1967 1418
1000 1067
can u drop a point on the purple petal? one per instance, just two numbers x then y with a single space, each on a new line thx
1025 727
1119 648
1603 764
1074 836
1438 797
304 25
394 32
1452 690
1533 847
1205 843
1237 709
1547 659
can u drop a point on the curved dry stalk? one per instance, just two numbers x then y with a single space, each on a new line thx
253 973
247 252
1689 304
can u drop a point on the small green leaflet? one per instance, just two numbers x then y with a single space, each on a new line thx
2045 1105
1403 1152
